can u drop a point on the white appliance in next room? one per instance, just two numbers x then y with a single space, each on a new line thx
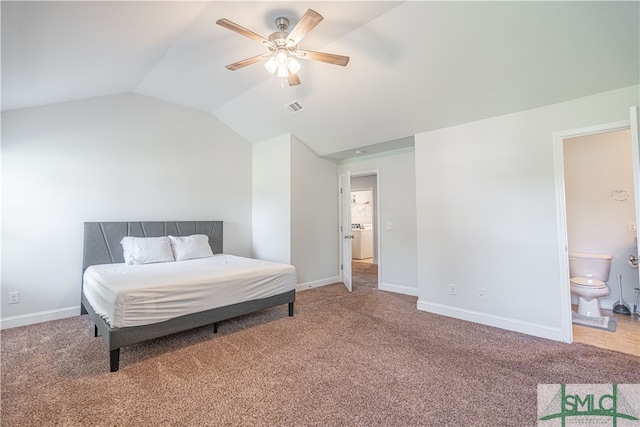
362 247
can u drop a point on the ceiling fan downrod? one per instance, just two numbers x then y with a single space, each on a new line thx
282 23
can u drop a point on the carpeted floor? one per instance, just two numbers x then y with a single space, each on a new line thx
368 358
364 275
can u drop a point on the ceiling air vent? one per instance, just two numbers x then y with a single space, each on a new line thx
294 107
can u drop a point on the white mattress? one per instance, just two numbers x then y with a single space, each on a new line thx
134 295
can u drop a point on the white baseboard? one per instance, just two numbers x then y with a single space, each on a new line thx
39 317
399 289
317 283
529 328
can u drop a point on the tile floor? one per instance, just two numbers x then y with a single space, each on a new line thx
625 339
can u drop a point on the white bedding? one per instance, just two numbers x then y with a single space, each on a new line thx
134 295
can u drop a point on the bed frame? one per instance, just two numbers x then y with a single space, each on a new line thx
102 246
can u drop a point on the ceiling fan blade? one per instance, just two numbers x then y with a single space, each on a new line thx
293 79
248 61
241 30
329 58
309 20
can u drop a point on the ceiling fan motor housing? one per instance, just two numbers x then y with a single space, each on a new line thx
282 23
279 38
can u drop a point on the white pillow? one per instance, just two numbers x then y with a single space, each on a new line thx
190 247
146 250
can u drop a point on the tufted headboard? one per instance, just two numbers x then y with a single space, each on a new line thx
102 239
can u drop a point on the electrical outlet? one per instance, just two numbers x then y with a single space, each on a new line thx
453 290
482 293
14 297
631 226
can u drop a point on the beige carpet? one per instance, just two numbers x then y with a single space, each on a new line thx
363 359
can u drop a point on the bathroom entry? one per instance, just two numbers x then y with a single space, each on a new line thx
578 223
600 204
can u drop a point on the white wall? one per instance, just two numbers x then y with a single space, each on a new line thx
117 158
397 259
272 200
314 217
486 206
362 206
595 166
295 210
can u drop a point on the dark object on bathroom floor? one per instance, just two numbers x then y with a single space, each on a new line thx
621 307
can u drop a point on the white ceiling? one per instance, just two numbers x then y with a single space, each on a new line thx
415 66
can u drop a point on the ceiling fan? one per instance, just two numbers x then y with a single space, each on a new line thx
283 47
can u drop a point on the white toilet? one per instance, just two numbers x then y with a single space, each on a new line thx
589 273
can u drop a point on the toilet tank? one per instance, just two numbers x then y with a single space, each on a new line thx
596 266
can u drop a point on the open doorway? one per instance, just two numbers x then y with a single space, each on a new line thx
600 210
598 213
364 228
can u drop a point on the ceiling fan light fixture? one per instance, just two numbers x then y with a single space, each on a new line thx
283 72
271 65
281 58
293 65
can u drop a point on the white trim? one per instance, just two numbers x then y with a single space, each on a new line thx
340 231
529 328
378 236
561 208
635 157
39 317
344 209
318 283
398 289
563 245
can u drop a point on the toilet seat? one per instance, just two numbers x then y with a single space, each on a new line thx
587 283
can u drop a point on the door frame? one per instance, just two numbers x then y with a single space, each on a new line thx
561 208
376 227
344 229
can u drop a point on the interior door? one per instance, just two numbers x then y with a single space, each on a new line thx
345 228
635 150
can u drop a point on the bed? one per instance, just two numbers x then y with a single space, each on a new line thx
233 286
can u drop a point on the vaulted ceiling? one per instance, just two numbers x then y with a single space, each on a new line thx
415 66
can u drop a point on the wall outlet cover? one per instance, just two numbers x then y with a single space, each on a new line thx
14 297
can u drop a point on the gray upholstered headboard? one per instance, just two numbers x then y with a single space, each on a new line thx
102 239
